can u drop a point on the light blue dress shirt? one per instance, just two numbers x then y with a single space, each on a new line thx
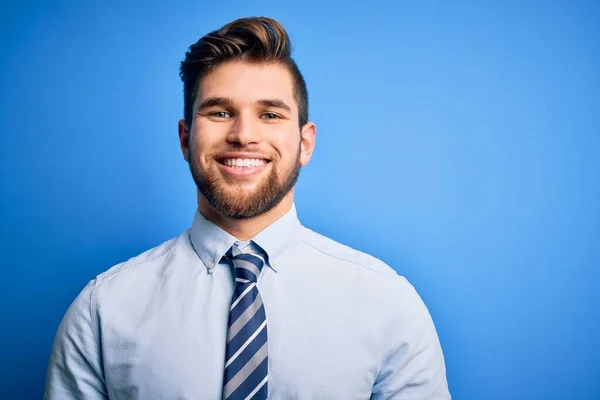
341 324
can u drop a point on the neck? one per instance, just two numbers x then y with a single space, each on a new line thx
245 229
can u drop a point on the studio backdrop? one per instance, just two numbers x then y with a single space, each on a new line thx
456 141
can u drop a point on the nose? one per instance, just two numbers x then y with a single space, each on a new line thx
244 131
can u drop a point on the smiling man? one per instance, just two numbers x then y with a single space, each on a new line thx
247 303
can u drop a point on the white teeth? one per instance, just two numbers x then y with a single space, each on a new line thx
243 162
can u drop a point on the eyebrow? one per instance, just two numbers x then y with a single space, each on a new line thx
227 102
275 103
215 102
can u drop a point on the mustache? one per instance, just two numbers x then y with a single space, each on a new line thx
250 150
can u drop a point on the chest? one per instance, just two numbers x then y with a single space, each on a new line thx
315 351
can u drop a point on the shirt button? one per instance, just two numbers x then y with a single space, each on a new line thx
212 265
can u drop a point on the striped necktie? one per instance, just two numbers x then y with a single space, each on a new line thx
246 362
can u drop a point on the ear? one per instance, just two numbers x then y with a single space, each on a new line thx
307 142
184 138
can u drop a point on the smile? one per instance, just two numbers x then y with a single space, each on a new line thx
238 166
243 162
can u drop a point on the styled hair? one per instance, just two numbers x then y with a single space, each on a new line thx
254 40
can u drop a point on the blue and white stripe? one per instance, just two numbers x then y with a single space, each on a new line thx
246 360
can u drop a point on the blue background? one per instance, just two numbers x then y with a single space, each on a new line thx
457 141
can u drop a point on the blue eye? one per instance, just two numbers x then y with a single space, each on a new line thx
220 114
269 116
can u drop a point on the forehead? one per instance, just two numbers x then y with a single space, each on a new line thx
246 83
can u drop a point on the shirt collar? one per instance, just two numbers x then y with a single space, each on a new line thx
211 242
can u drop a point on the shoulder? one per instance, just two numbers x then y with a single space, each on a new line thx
366 273
132 282
347 255
155 257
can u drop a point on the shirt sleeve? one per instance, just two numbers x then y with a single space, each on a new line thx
412 362
75 368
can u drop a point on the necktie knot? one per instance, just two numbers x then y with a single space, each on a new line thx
247 263
247 267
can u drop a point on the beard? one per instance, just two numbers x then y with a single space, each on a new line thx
237 203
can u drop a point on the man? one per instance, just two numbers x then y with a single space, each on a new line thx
248 303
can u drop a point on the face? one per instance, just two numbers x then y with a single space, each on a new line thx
244 146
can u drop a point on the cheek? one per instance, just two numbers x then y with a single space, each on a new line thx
288 146
202 143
